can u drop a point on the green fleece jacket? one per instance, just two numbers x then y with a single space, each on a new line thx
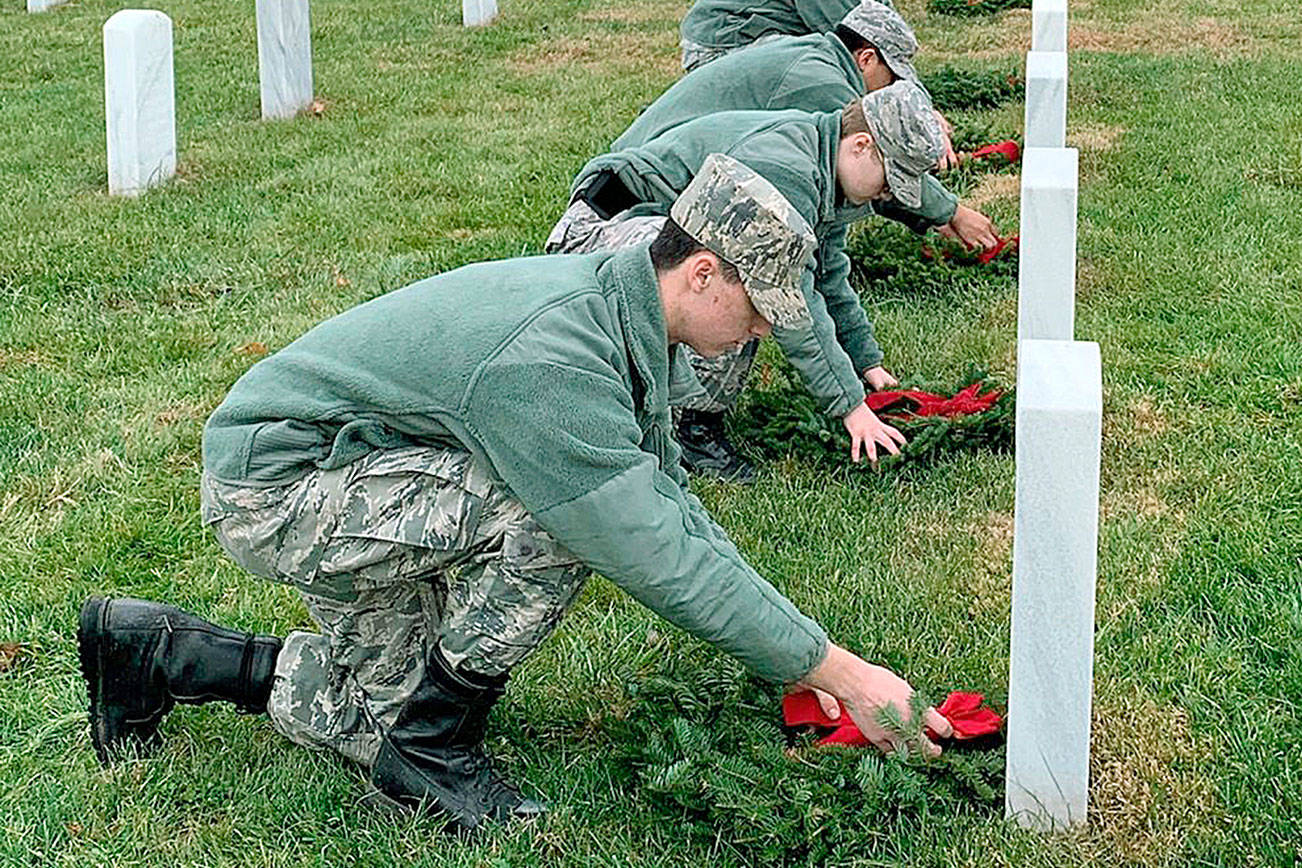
813 73
734 23
554 369
796 152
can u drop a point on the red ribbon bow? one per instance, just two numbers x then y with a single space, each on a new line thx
965 402
1006 149
964 711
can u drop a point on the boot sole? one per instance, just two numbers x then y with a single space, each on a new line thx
90 627
109 732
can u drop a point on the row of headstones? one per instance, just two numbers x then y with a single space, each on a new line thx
473 12
139 104
1059 429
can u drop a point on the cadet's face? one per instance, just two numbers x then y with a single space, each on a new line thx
860 170
876 74
720 315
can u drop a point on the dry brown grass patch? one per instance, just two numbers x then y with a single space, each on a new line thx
599 51
998 37
993 559
1093 137
1146 787
11 359
187 412
641 13
1147 419
1144 501
1160 33
994 188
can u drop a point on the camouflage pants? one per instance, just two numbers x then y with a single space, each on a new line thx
581 230
397 552
723 378
696 55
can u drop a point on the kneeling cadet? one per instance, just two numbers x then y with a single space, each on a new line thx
835 168
437 471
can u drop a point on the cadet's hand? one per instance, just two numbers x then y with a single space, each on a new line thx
866 690
867 430
879 378
826 701
948 159
972 228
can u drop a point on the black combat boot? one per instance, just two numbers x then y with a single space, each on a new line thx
140 658
434 754
706 450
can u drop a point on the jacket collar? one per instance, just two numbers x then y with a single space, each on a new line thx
642 317
844 60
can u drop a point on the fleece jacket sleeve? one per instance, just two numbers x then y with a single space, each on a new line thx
817 355
937 208
854 331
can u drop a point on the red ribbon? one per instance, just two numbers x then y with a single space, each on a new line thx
964 711
984 257
1006 149
965 402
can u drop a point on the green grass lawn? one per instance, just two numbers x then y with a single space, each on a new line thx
123 323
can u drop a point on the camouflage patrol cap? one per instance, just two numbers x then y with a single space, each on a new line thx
887 31
906 130
743 218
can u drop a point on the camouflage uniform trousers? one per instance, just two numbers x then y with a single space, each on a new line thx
696 55
582 230
399 551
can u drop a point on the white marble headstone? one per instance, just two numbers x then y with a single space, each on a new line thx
477 12
284 57
1046 270
139 105
1055 545
42 5
1046 99
1049 25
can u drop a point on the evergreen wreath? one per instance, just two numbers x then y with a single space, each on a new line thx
953 89
779 418
710 751
975 7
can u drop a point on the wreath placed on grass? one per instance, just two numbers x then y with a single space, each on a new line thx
975 7
711 752
781 419
952 88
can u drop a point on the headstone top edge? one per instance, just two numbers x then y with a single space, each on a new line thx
131 17
1040 164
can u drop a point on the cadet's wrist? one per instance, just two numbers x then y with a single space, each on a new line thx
838 674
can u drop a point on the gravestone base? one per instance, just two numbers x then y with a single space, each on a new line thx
139 101
284 57
1055 552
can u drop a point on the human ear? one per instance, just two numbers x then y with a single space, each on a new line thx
702 269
